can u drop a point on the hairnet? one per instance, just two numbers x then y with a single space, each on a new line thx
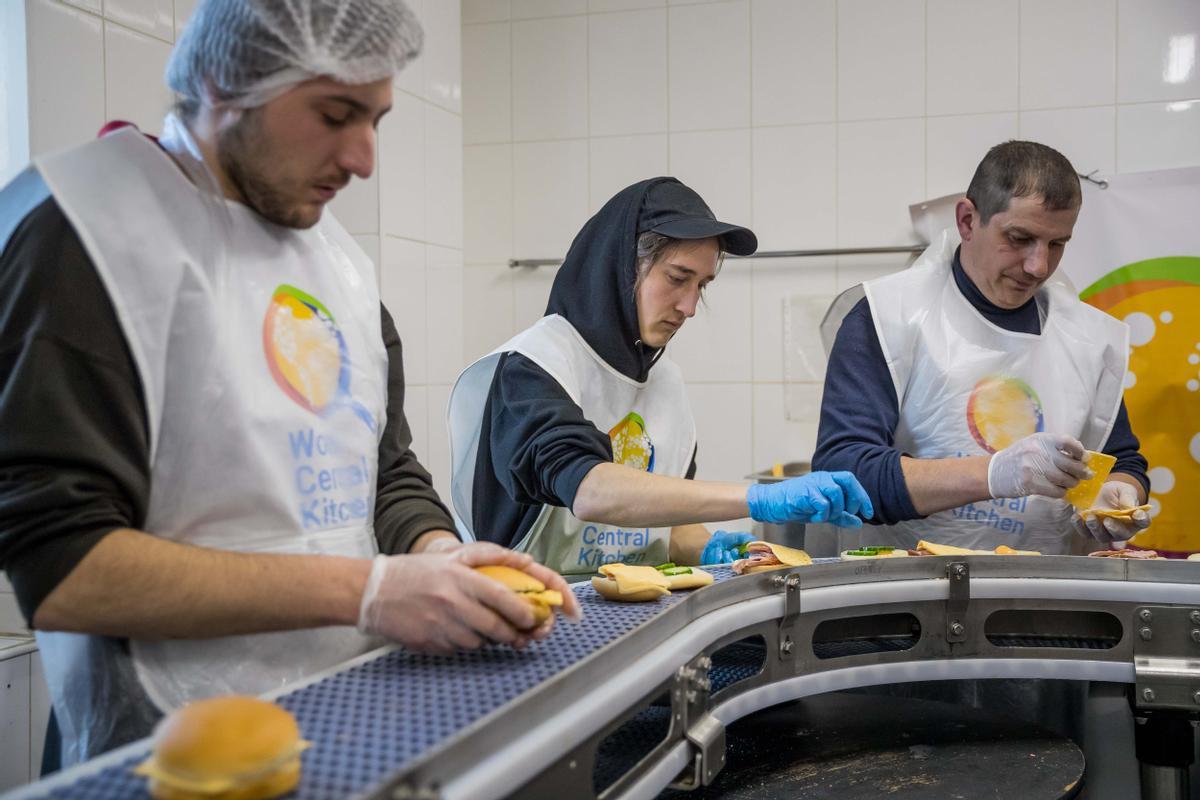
246 52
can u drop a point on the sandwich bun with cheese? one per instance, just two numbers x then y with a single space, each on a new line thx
681 578
764 556
627 584
225 748
533 591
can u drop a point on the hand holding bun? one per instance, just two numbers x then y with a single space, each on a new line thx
225 748
439 603
528 588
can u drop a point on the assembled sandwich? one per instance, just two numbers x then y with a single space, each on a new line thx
531 590
224 748
763 556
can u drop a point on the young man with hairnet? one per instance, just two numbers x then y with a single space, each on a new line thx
201 396
964 390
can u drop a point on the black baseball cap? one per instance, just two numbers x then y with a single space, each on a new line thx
674 210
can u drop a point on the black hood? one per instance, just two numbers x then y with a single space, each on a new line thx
593 289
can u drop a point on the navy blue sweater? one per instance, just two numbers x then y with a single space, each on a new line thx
859 412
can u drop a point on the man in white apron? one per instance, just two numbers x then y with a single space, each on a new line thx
964 390
574 441
205 455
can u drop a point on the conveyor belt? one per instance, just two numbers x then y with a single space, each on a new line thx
371 720
479 725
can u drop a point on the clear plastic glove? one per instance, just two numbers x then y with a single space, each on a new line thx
835 497
1113 495
722 547
437 602
1042 463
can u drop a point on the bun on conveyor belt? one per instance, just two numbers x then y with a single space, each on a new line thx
683 578
763 556
1128 552
224 748
533 591
874 551
627 584
924 548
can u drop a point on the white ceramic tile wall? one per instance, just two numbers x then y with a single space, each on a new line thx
709 66
971 74
724 418
550 196
816 121
794 62
1068 52
152 17
65 48
134 64
487 99
627 72
488 205
878 31
550 72
794 183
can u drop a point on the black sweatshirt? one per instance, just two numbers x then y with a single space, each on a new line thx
859 412
536 445
74 444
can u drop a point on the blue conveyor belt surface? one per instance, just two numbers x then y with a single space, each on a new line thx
372 720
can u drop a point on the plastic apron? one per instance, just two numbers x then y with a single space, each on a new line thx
259 352
650 425
966 387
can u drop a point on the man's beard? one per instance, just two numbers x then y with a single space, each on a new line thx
241 149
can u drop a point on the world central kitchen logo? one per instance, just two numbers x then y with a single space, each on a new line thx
607 546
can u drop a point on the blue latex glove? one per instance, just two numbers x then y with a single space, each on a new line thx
722 547
835 497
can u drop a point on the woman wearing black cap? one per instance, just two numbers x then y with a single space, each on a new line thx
573 440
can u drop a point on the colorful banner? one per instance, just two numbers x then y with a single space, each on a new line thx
1136 254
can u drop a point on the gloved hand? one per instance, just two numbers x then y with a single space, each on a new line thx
835 497
436 602
1041 463
1113 495
722 547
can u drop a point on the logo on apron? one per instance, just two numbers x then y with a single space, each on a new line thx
631 444
1001 410
307 354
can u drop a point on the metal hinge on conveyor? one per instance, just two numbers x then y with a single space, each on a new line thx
1166 658
959 575
690 693
791 611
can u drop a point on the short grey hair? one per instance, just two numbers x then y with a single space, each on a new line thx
1023 169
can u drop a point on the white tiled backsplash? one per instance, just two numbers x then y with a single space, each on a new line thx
816 122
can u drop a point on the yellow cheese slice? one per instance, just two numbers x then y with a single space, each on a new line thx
1083 494
632 580
1005 550
218 784
1114 513
950 550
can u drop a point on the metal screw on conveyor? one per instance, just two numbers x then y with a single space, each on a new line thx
1148 695
1145 631
957 628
